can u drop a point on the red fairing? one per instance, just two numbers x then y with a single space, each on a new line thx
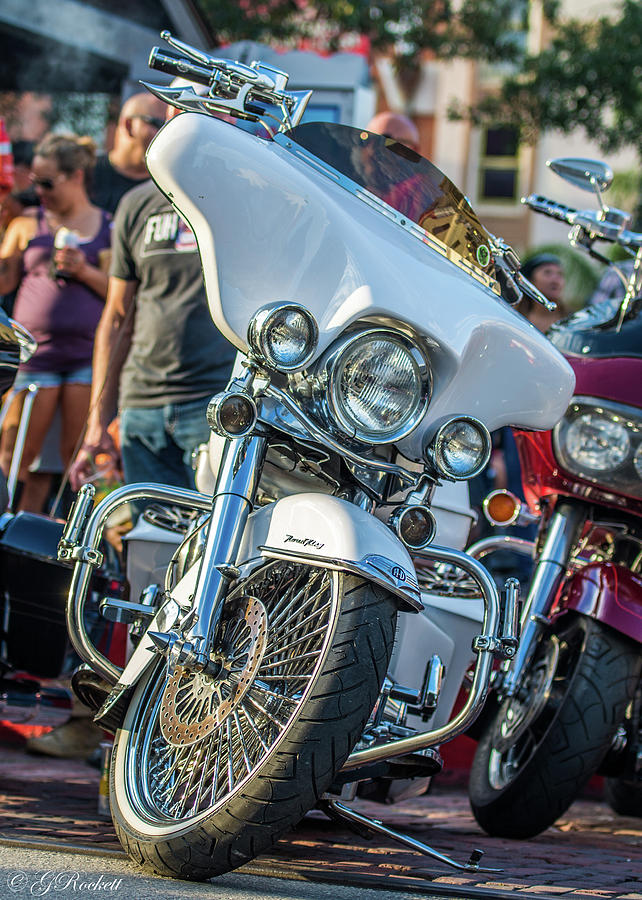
618 380
607 592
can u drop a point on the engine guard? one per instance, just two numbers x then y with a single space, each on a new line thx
607 592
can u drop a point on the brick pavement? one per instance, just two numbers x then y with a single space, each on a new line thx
590 853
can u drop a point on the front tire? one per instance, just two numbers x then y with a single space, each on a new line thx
543 745
208 773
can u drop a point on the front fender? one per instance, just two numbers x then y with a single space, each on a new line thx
609 593
332 533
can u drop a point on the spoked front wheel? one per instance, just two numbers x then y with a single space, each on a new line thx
208 772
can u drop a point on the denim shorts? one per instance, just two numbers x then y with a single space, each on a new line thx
52 379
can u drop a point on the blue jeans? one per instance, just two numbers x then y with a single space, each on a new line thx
157 442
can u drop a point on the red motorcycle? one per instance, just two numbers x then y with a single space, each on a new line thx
569 704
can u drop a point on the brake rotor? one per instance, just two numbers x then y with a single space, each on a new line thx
195 704
518 715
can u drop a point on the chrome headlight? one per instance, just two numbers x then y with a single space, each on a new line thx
283 335
379 385
461 448
602 442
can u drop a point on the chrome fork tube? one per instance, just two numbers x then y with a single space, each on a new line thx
238 478
562 535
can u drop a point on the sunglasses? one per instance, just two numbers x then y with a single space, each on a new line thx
46 184
154 121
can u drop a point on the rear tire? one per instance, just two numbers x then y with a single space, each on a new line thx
535 757
200 809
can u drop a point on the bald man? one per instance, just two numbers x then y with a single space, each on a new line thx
399 128
124 166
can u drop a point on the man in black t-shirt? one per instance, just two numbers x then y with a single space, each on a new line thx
124 166
157 349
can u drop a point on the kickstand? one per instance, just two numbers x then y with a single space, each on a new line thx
334 809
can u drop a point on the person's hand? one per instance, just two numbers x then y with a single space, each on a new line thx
83 467
71 261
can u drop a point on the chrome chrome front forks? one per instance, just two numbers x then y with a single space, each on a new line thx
229 508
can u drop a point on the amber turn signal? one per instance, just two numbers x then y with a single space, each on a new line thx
502 507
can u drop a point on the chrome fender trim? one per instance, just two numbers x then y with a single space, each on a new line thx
331 533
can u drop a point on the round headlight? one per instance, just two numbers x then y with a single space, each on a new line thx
379 386
597 443
461 448
284 336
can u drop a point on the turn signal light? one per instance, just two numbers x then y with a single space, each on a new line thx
502 507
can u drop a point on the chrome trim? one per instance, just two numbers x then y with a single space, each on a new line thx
89 536
334 397
482 548
259 324
435 452
314 431
561 537
28 343
607 409
396 523
234 87
416 231
21 437
239 474
377 569
213 414
481 676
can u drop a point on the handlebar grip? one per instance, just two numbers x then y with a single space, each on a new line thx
550 208
178 65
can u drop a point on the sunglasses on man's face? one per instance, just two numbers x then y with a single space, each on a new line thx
154 121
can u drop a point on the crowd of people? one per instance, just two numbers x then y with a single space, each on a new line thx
118 309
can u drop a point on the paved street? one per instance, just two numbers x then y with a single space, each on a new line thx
590 853
28 873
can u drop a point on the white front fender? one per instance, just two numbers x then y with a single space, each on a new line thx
334 534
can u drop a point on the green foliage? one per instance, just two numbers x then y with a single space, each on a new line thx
403 27
590 77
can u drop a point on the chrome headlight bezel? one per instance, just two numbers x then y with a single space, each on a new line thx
436 452
341 416
258 335
624 476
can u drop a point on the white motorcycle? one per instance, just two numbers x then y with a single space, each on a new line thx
376 354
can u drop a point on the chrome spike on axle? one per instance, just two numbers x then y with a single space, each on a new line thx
161 641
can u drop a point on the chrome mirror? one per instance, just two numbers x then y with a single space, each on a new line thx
587 174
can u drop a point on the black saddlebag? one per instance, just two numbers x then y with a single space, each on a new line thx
34 588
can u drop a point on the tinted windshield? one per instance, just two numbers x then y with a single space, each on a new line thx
404 180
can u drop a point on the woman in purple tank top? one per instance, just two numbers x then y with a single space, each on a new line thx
62 285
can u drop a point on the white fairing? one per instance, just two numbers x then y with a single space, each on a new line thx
272 228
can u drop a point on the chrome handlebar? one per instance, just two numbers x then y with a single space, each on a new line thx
606 224
234 87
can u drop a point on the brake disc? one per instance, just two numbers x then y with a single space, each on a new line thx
194 704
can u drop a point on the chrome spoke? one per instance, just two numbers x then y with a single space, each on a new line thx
198 739
230 767
246 757
255 730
